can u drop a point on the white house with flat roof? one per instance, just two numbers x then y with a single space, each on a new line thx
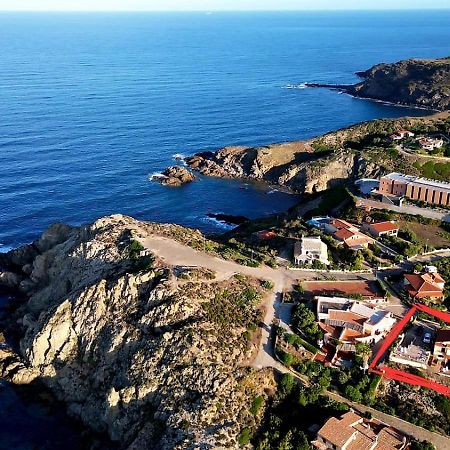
310 249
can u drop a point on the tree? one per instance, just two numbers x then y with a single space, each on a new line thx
287 382
353 393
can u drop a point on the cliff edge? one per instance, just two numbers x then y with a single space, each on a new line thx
423 83
150 354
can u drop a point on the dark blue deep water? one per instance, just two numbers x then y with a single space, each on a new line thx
91 104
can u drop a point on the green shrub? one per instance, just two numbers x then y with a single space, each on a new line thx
267 284
244 437
256 405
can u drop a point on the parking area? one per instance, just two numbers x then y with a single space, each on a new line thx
421 334
415 348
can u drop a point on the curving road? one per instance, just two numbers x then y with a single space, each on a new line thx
176 254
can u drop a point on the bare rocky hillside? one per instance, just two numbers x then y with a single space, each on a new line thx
152 355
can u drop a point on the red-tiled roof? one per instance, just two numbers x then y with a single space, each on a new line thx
266 234
424 285
362 241
344 234
341 224
350 431
346 316
343 288
383 227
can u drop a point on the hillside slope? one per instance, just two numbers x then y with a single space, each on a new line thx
152 355
414 82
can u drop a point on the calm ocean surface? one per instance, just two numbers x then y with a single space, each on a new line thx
92 104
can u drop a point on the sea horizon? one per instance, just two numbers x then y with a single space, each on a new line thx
93 109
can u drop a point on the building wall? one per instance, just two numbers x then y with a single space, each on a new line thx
392 187
415 191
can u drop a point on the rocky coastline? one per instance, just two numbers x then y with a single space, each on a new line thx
418 83
175 176
315 165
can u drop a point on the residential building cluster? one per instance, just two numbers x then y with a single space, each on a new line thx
428 143
346 322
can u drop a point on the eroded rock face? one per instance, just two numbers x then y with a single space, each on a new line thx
342 156
294 165
152 360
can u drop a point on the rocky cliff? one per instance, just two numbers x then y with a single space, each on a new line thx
423 83
414 82
360 151
152 355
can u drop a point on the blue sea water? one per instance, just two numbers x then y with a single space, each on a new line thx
92 104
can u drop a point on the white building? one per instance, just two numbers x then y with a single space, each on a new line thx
351 321
310 249
402 134
430 144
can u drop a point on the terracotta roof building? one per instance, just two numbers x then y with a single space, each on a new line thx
352 432
347 233
425 285
346 322
442 349
379 229
401 134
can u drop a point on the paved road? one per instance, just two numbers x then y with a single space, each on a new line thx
413 155
178 254
409 209
174 253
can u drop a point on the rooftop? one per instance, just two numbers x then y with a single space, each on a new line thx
382 227
395 176
423 284
365 288
443 336
354 433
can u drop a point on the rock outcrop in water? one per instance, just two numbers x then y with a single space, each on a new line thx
175 176
151 358
423 83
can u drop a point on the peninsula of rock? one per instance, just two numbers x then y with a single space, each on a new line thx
423 83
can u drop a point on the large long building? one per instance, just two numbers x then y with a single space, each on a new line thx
416 188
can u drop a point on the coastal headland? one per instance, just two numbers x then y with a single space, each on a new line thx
421 83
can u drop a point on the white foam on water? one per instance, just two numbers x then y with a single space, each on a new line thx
5 248
156 175
295 86
218 223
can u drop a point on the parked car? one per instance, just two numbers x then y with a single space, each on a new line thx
427 338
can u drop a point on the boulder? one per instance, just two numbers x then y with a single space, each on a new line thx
175 176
